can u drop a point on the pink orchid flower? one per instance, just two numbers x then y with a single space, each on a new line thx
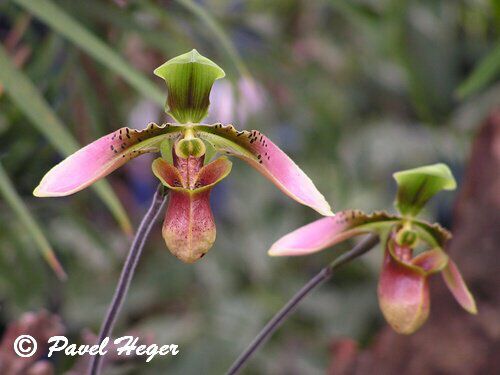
184 166
403 288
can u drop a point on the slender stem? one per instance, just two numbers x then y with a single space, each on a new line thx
128 270
323 275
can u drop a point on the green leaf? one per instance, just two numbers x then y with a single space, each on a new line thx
416 186
51 14
25 95
487 71
189 79
15 202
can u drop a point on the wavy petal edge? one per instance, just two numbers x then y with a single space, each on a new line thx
101 157
259 152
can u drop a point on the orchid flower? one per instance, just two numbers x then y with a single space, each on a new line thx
185 166
403 289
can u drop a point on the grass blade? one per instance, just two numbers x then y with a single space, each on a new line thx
15 202
485 73
25 95
51 14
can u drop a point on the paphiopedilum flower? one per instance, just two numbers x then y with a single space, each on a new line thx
189 228
403 288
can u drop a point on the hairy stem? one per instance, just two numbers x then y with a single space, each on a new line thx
128 270
323 275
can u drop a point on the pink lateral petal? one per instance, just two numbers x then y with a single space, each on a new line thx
456 284
100 158
262 154
327 232
403 295
189 227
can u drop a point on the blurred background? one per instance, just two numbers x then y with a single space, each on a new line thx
352 90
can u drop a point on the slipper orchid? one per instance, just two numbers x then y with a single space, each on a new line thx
189 228
403 289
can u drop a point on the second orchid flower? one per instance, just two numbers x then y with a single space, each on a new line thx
413 249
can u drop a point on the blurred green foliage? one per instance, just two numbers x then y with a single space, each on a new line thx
352 90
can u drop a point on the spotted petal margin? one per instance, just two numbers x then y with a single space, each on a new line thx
257 150
101 157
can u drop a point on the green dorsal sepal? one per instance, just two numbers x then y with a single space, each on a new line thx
416 186
189 79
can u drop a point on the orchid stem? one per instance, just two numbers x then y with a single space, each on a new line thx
325 274
127 273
